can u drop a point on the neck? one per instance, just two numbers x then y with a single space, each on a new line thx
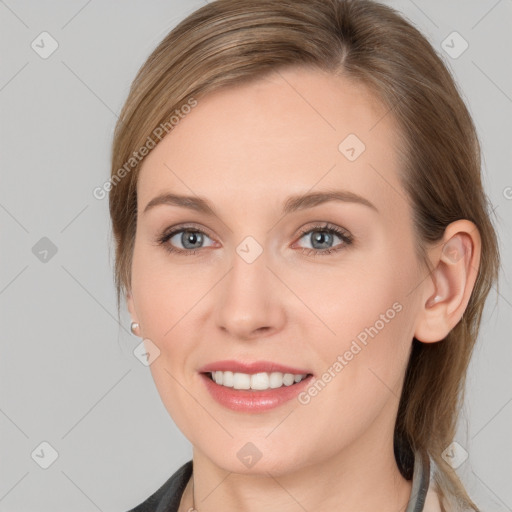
360 475
350 480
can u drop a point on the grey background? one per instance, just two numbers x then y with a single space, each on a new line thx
68 375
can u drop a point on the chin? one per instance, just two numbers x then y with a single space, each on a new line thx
250 460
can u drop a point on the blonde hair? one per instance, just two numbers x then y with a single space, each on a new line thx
228 42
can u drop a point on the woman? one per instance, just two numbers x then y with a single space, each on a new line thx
305 248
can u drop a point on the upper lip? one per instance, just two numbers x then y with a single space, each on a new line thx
230 365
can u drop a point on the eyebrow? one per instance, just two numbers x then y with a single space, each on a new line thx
292 204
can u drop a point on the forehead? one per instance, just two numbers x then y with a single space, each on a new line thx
289 132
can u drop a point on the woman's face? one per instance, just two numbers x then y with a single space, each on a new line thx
260 278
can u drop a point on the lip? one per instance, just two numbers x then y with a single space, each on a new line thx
244 400
230 365
253 401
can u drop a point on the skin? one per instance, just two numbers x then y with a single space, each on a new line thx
246 149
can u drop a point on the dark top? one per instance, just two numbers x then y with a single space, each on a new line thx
168 497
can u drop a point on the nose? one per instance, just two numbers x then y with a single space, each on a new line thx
249 304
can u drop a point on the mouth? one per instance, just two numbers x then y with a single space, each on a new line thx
254 393
261 381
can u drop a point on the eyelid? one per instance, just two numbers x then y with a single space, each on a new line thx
172 230
343 234
334 229
163 238
326 226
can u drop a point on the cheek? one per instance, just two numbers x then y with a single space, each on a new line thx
365 362
165 299
370 310
165 293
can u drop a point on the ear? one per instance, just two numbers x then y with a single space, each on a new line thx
447 290
131 308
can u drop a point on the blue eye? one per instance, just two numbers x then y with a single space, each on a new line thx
192 239
321 238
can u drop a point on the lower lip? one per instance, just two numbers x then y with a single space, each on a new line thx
244 400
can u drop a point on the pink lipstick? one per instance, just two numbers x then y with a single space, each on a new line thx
254 400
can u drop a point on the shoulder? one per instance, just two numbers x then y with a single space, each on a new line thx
168 496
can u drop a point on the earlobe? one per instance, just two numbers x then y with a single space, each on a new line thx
134 325
453 277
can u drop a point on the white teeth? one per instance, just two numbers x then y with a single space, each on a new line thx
226 379
260 381
257 381
241 381
276 380
288 379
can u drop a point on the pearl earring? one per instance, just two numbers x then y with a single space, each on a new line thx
133 326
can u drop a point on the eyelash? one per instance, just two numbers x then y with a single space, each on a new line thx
325 228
